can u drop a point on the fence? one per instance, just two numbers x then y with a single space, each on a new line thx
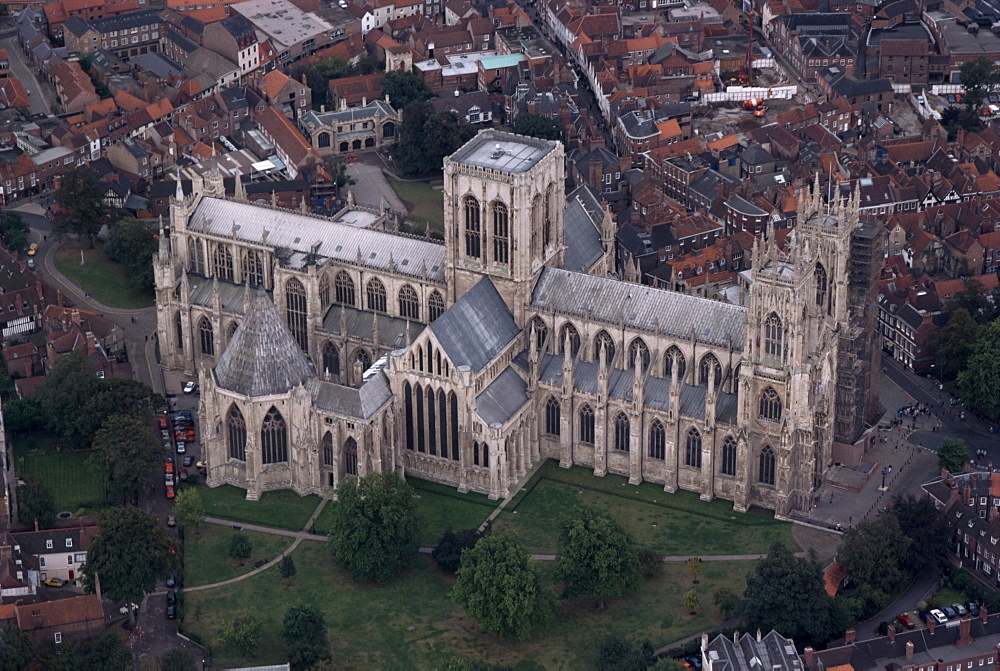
739 93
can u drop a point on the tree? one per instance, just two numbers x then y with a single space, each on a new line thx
448 552
650 563
240 547
691 601
426 137
693 569
132 244
953 454
242 633
977 301
189 510
176 660
81 205
953 342
925 525
23 414
14 231
726 601
618 653
979 382
287 567
787 593
536 125
874 553
500 586
979 78
404 87
374 531
107 653
668 664
304 631
126 451
596 557
129 555
35 501
16 648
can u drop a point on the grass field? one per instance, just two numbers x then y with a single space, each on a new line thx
281 509
412 624
672 524
105 280
206 554
74 483
423 201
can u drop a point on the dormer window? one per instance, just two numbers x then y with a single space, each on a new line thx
69 542
48 544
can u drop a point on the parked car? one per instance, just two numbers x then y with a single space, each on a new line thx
168 445
171 611
188 387
188 460
939 616
170 492
905 621
33 249
959 609
171 596
163 422
202 464
925 616
973 608
692 662
53 582
171 521
164 434
172 580
181 449
168 479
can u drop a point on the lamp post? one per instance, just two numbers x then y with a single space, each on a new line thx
885 472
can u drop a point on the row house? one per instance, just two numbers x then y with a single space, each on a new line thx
907 315
815 41
970 503
57 12
60 552
741 215
291 97
75 618
52 162
291 32
904 61
292 148
18 179
125 35
73 86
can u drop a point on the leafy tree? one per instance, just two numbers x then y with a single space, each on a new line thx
319 74
242 634
132 244
176 660
693 569
979 78
287 567
978 302
107 653
979 382
668 664
536 125
14 231
953 342
240 547
448 552
81 204
726 601
691 601
500 586
426 137
596 557
35 501
787 593
374 531
874 553
927 528
189 510
618 653
304 631
404 88
23 414
129 555
953 454
126 452
16 648
338 171
957 118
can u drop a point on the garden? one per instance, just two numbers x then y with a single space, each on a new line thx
76 486
206 553
423 201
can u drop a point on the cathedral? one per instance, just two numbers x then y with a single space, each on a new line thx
331 347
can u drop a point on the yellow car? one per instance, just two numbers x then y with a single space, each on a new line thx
33 249
53 582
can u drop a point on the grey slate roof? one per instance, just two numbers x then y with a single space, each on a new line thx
311 120
502 398
360 325
231 295
475 329
614 302
362 402
583 216
772 652
75 25
262 358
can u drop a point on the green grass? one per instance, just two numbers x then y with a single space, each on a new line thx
412 624
672 524
948 596
423 201
282 509
107 281
206 553
74 483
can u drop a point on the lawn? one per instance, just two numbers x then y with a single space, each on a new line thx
74 483
282 509
423 201
672 524
411 624
105 280
206 554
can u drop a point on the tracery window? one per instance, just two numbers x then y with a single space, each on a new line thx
435 305
296 312
274 438
709 366
222 262
327 449
638 349
376 295
692 449
657 440
552 410
603 339
501 233
574 339
729 456
623 435
587 425
773 336
473 227
409 303
253 269
765 469
673 357
344 288
196 256
236 434
331 359
770 405
351 457
206 337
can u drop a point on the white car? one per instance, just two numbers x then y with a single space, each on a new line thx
169 479
188 387
940 617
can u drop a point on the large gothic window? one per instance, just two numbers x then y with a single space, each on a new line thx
709 366
435 305
253 268
773 336
179 325
196 256
344 288
568 330
331 359
473 227
770 405
206 337
501 233
552 416
295 312
536 223
541 332
547 221
657 440
350 457
821 283
408 413
692 449
324 291
638 350
622 433
236 434
327 449
603 339
233 325
587 425
409 303
376 295
222 262
273 438
671 358
765 469
729 456
362 357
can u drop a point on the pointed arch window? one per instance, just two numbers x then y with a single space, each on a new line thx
709 366
435 305
501 233
409 303
343 288
547 221
765 467
327 449
408 414
273 438
773 336
331 359
671 358
657 440
603 339
233 325
253 269
541 332
552 411
770 405
473 227
363 358
196 256
587 425
376 295
222 262
206 337
692 449
296 312
236 434
821 284
636 350
179 325
536 224
324 291
623 434
350 457
729 456
574 339
481 454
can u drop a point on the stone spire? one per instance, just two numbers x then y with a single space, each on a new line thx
179 190
239 192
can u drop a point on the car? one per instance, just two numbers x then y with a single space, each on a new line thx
168 467
53 582
168 445
188 387
171 596
973 608
181 449
171 521
168 459
201 464
172 550
925 616
905 621
188 460
692 662
183 423
949 612
165 435
170 492
33 249
169 479
172 580
182 476
31 262
959 609
351 158
163 422
172 612
181 414
950 98
938 616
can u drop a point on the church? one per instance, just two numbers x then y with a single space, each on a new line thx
331 347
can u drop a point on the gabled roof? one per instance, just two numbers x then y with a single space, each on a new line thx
476 328
584 217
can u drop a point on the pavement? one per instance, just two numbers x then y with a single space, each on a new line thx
372 186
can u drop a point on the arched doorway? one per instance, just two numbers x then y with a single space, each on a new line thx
369 142
356 144
344 146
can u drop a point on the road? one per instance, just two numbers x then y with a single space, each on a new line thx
26 74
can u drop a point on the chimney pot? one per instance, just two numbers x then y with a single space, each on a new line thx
909 649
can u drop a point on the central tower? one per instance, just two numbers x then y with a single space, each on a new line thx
503 214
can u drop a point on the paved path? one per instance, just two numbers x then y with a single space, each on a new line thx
302 535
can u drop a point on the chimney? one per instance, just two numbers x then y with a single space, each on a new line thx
810 656
931 625
849 636
36 524
964 635
891 631
909 649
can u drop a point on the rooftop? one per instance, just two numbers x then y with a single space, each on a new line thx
283 22
503 151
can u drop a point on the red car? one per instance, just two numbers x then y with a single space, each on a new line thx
905 621
170 492
163 422
351 158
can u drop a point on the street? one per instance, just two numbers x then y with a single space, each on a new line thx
26 75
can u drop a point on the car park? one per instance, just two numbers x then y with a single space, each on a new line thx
959 609
939 616
188 460
948 611
181 449
171 611
905 621
171 596
169 479
925 616
53 582
973 608
170 492
172 580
